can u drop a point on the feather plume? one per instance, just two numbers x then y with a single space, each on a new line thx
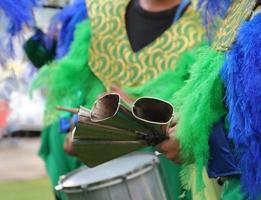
15 15
211 11
199 105
241 74
66 20
69 80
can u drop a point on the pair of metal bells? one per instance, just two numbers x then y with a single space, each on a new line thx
113 127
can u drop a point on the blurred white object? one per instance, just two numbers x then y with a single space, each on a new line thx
25 114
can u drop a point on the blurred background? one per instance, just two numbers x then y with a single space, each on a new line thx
22 173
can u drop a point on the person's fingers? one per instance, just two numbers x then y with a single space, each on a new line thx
164 146
171 130
173 154
159 147
169 145
68 147
171 150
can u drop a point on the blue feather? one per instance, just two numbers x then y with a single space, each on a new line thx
68 18
210 11
241 74
17 15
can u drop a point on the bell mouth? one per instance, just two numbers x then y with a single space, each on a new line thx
105 107
153 110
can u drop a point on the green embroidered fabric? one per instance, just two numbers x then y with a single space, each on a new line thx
118 64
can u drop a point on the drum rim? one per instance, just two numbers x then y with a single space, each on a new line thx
62 178
108 182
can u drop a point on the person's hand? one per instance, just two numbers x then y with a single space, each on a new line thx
170 147
68 146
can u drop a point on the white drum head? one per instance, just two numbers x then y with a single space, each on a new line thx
110 171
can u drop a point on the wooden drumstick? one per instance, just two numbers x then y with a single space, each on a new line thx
71 110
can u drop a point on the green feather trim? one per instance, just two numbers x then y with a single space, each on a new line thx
69 81
199 105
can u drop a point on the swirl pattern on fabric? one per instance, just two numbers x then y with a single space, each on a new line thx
111 56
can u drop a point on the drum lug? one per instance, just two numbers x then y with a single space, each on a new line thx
58 188
84 187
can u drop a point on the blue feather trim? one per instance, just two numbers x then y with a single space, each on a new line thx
67 19
210 11
16 15
241 74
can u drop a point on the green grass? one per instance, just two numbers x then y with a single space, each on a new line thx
37 189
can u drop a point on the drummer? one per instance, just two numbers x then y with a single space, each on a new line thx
127 44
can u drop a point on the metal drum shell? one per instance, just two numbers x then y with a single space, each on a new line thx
141 183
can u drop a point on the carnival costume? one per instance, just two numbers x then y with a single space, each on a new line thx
95 63
200 102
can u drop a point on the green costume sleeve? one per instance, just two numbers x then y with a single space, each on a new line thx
70 82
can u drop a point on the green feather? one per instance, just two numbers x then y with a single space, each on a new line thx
199 104
70 82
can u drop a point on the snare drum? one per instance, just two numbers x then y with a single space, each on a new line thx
131 177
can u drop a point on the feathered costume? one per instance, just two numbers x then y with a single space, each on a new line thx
67 18
14 16
211 12
200 102
242 78
81 75
196 91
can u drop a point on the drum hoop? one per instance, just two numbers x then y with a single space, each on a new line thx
62 178
73 190
102 184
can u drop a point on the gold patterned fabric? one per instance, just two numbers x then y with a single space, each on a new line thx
238 12
111 56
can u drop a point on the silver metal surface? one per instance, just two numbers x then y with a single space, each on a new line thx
115 127
111 110
156 114
131 177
